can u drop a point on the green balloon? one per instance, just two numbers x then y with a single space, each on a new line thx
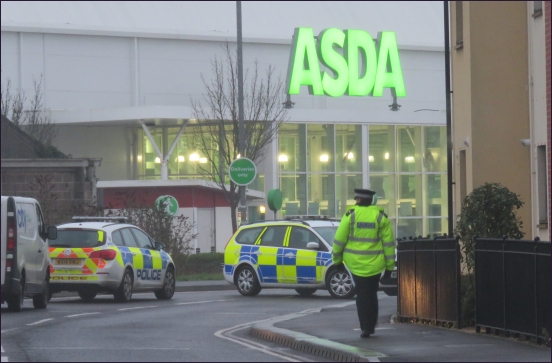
274 199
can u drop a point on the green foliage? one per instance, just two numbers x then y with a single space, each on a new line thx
175 232
487 212
204 263
201 277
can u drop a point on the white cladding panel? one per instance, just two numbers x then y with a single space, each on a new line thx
98 72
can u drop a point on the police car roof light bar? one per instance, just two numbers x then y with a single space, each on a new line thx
100 219
310 217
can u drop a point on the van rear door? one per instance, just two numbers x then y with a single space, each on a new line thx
4 234
27 235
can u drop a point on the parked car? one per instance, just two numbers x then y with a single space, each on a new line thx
25 263
106 254
291 253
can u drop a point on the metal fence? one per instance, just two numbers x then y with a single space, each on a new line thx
512 286
429 281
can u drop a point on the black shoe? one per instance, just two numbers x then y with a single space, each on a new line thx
365 334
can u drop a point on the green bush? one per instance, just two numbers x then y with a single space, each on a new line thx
487 212
203 263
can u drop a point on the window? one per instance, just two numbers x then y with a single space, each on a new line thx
117 238
537 9
128 238
40 223
298 238
459 25
142 239
274 236
248 236
542 184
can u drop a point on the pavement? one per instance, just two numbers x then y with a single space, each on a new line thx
333 334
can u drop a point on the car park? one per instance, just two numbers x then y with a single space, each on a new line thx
295 252
105 254
25 263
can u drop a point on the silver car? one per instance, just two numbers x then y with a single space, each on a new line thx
99 254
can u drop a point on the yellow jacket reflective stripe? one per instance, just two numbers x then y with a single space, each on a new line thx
364 241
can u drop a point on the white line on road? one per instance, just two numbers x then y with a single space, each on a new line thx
41 321
199 302
137 307
75 315
5 359
7 330
3 351
103 348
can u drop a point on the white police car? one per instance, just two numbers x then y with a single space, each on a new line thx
104 254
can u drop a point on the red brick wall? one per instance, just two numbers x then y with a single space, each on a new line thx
187 197
549 144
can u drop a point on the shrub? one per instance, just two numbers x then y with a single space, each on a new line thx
487 212
204 263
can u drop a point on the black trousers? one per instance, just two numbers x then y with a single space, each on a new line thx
367 301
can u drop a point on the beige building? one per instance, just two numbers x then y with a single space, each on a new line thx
499 104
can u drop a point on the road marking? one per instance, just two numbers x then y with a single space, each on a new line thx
467 345
3 351
200 302
137 307
75 315
40 321
7 330
103 348
5 359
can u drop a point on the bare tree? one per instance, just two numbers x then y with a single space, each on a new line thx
35 119
12 103
217 135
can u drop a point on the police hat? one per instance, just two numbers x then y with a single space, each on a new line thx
364 193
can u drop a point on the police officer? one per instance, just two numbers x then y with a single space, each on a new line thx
364 242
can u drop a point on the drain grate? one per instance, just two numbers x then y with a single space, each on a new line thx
306 346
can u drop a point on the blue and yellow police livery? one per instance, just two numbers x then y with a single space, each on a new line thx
98 254
293 253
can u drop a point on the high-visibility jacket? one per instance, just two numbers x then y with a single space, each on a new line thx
364 241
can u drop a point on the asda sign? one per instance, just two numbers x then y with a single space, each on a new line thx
356 66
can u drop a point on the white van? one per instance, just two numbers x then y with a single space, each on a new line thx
25 267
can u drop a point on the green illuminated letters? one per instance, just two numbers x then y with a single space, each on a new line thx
354 65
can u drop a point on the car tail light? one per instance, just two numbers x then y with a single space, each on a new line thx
103 254
11 232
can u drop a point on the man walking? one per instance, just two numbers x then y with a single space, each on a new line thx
364 242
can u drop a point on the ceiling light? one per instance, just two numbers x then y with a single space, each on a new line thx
282 158
324 158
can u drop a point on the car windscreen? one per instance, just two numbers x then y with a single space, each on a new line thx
78 238
327 232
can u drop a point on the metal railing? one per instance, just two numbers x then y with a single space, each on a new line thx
429 281
512 286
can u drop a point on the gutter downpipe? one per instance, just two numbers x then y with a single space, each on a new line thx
448 93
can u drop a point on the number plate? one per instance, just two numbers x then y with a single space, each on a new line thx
394 274
68 261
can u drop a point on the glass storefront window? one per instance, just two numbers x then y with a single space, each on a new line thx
384 186
409 195
294 193
408 148
320 146
435 226
321 194
407 227
348 150
152 162
435 151
292 148
436 201
381 154
345 191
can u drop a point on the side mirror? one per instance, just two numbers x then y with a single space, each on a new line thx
159 246
52 233
313 246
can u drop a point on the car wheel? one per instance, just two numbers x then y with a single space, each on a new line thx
247 283
305 291
50 293
87 294
124 291
167 291
340 284
15 302
40 301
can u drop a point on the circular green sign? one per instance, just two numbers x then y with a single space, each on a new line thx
274 199
242 171
168 203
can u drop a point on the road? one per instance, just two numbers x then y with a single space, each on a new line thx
193 326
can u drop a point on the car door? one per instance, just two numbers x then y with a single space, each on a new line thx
152 270
300 263
27 235
137 260
42 258
270 247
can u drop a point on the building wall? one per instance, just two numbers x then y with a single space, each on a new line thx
548 15
495 46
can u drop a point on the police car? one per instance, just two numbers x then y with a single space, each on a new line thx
292 253
106 254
